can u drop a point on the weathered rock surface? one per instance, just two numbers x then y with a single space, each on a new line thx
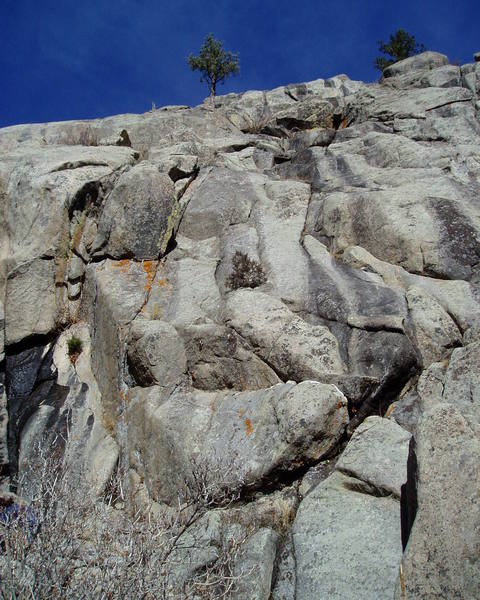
358 206
139 215
294 347
346 542
433 330
4 459
441 558
71 409
155 353
420 62
377 454
249 436
462 381
219 358
358 503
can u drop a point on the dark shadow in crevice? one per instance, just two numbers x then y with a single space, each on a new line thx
409 497
176 174
32 341
337 120
30 380
387 391
171 245
278 160
86 196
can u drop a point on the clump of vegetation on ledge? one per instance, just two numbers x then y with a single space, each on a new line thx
74 348
246 272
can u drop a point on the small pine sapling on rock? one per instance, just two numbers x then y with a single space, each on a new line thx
74 348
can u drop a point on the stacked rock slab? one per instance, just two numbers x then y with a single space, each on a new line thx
335 396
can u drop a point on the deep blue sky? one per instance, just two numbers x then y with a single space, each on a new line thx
78 59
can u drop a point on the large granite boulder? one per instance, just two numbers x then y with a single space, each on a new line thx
279 429
49 199
139 215
377 454
295 348
155 353
424 61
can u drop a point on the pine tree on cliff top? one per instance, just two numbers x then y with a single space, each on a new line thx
214 63
400 46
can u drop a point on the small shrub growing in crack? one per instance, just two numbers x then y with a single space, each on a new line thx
74 348
247 272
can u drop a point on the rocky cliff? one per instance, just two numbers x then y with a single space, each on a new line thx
278 292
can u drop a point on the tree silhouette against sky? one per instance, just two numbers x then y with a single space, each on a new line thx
214 63
400 46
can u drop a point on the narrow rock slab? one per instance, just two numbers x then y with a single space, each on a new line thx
347 542
441 559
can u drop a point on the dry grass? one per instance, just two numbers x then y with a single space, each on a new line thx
83 136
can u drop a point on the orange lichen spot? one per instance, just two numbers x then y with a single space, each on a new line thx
149 268
123 265
248 426
339 404
161 278
125 396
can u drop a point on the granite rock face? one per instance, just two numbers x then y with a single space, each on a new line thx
139 215
299 398
346 539
421 62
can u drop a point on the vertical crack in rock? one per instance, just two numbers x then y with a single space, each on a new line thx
409 500
30 382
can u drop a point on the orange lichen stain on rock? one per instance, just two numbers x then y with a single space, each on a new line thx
124 396
149 268
123 265
161 279
339 404
248 426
